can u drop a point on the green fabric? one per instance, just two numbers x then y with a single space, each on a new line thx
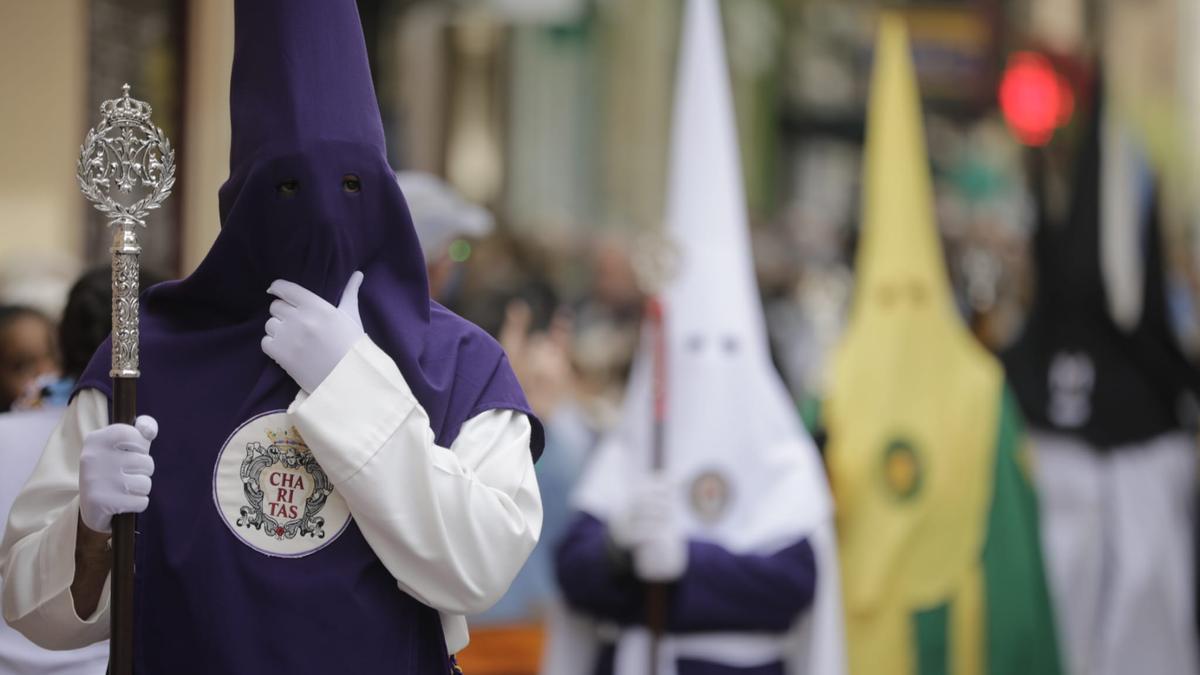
1020 622
810 414
932 628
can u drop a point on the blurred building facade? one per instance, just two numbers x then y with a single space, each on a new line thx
554 114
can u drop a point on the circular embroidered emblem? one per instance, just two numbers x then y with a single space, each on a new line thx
710 496
902 469
271 492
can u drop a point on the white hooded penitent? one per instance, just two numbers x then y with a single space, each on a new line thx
745 472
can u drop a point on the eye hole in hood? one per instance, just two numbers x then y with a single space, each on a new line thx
288 188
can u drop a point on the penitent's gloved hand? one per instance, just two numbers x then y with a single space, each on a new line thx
307 336
651 531
114 472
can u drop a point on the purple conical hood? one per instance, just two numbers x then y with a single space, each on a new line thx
300 73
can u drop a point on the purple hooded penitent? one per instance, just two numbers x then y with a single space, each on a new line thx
304 117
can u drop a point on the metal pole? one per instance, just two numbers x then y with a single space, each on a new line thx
655 261
656 593
123 154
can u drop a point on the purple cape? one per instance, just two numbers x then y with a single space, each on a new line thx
304 117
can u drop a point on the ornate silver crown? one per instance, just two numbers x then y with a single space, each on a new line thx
126 111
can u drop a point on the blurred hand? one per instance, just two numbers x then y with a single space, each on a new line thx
114 472
307 336
541 360
651 531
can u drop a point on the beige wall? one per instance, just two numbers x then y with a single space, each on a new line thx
42 121
639 64
44 115
206 164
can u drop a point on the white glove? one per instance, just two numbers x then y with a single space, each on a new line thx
114 472
650 530
307 336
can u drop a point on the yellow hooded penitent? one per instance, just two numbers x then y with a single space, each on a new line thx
922 446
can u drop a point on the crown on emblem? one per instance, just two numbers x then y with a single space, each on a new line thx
126 110
288 437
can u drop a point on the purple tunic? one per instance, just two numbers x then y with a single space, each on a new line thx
304 116
720 591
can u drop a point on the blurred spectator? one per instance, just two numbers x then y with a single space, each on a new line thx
86 322
542 360
607 326
27 351
441 217
508 638
87 319
38 279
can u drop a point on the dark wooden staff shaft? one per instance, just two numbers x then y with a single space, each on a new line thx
120 657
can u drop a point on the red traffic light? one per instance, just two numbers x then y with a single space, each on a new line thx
1034 98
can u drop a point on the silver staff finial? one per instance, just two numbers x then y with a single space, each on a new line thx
655 261
125 151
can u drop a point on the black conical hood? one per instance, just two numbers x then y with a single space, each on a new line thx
1074 369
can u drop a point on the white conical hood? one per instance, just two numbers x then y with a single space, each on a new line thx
713 288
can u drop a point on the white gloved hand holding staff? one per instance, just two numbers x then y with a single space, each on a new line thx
114 472
650 530
306 335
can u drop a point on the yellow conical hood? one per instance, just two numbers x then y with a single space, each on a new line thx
900 256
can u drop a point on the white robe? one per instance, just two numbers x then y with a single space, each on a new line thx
1117 536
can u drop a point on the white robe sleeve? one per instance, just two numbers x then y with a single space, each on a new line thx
453 526
37 555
